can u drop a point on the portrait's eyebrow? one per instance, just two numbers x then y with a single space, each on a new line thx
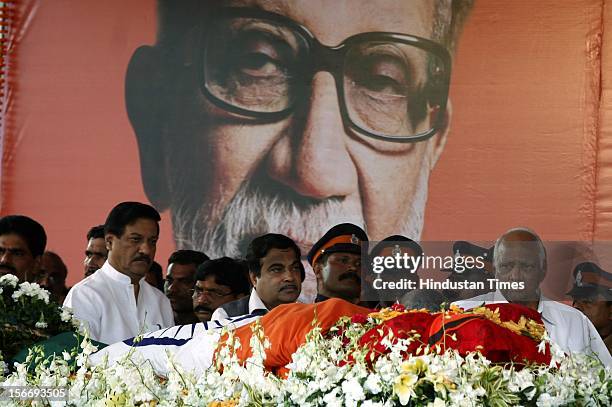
277 6
407 56
249 27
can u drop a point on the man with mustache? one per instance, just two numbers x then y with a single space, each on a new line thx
180 280
336 261
22 244
276 273
218 282
116 303
95 253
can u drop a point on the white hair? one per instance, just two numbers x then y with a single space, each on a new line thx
253 212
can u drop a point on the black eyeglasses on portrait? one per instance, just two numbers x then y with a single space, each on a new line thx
258 64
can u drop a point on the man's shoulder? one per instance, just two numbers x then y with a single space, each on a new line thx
561 311
94 283
237 307
151 291
88 296
154 294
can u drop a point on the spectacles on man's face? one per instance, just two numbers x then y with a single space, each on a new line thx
210 293
260 64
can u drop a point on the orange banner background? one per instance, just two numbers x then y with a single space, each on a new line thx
530 141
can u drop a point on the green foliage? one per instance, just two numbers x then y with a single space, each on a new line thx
27 316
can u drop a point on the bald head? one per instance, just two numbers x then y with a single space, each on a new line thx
520 257
520 237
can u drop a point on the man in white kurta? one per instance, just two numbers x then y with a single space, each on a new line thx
116 303
105 303
519 259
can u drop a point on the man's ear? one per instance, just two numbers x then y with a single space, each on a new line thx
318 269
439 140
252 278
37 265
145 108
108 240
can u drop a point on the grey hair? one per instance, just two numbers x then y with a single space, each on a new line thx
175 19
536 238
449 18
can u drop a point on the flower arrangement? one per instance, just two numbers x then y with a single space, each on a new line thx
335 368
27 316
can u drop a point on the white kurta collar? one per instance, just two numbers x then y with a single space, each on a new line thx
255 302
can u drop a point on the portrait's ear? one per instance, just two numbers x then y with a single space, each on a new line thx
439 140
145 109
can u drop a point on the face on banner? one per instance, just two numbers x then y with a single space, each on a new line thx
291 117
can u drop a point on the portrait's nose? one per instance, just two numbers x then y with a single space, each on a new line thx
313 158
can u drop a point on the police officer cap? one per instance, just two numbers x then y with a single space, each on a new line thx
590 280
344 238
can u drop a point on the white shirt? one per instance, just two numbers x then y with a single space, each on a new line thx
105 304
566 326
254 303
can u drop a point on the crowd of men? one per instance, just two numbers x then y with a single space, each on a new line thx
122 296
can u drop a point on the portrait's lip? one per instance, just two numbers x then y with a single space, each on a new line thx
289 288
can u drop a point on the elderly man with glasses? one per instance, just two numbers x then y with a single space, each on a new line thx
292 116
